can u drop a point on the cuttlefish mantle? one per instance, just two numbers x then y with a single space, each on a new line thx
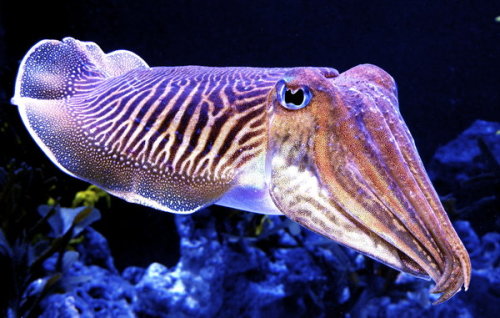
328 150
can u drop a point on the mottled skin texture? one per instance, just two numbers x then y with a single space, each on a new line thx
368 178
341 163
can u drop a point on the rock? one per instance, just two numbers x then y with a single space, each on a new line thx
467 171
481 300
91 291
220 275
94 250
475 150
133 274
63 305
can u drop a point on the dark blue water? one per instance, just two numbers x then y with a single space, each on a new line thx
445 58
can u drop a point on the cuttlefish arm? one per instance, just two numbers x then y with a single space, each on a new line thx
346 166
329 151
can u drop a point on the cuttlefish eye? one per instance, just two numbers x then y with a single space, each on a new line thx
293 98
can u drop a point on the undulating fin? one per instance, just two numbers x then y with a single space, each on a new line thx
77 103
51 69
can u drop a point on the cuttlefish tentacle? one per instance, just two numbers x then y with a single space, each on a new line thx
357 158
456 256
408 172
330 151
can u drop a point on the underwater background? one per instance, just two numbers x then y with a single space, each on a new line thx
70 250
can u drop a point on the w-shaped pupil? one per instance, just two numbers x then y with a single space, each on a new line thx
294 98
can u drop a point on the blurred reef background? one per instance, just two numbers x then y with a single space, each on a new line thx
69 250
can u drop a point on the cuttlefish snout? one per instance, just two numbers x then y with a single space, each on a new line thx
346 167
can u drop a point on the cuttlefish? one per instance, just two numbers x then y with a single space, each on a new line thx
330 151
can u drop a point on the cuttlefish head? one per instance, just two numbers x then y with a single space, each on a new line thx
342 163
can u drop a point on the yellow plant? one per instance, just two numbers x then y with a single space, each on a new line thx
90 196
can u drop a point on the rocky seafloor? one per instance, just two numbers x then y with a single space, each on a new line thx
231 266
